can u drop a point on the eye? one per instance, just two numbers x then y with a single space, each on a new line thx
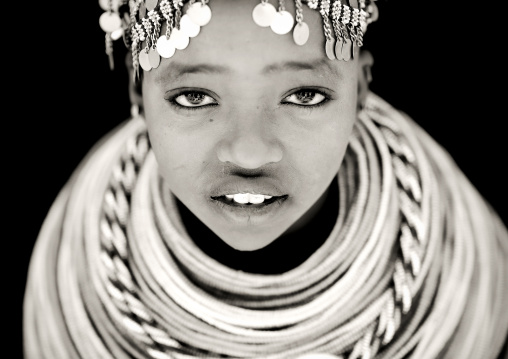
193 99
306 97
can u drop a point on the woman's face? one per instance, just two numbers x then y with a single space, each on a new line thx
243 111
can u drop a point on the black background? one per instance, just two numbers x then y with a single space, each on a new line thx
437 62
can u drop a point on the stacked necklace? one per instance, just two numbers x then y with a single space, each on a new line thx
416 264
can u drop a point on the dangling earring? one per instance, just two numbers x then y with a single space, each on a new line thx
134 111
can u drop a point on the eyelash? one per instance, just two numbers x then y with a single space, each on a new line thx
308 107
172 100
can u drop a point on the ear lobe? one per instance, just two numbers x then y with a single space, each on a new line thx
135 93
365 63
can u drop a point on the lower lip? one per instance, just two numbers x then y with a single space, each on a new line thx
252 213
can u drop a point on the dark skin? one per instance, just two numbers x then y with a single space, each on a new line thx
285 253
258 135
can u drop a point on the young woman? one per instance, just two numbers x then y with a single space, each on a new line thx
263 203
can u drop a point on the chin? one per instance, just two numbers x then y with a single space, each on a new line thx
248 242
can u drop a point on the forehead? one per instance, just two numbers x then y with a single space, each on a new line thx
231 43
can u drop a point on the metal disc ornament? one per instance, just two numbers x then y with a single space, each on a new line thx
301 33
144 61
199 13
154 58
282 22
263 14
188 26
179 39
110 21
165 48
151 4
338 48
346 50
118 33
330 49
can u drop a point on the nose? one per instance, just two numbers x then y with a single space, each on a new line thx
250 143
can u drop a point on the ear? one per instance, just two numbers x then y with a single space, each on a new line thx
365 63
135 94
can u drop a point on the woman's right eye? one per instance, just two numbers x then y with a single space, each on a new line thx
193 99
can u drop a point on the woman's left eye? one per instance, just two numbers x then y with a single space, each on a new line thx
194 99
305 98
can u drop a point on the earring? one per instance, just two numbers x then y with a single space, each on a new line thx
134 111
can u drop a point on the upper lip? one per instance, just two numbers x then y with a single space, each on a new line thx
247 185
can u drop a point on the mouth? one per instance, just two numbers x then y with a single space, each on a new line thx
249 200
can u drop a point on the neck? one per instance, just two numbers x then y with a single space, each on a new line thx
283 254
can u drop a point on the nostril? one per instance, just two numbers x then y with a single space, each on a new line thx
249 151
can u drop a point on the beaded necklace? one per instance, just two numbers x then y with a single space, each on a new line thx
416 264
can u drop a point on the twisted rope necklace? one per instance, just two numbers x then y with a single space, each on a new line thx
416 264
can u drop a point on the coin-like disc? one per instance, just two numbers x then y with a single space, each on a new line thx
188 26
179 39
110 21
330 49
282 22
150 4
346 50
104 4
338 48
199 13
154 58
165 48
353 3
115 35
144 61
364 26
263 14
301 33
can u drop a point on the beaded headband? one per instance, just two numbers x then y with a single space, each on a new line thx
138 21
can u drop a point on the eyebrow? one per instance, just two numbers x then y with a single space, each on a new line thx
319 64
176 70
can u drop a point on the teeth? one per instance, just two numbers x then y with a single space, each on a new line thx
241 198
244 198
256 198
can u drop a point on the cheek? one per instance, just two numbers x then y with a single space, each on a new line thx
318 153
179 155
321 159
